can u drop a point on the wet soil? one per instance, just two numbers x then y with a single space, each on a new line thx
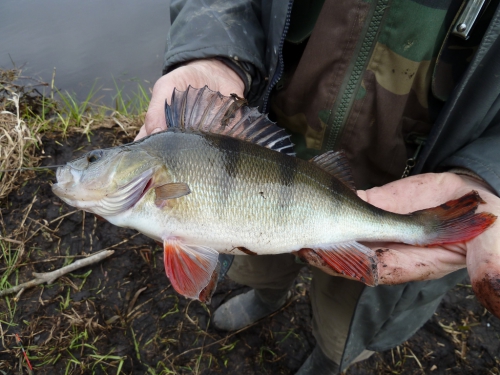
122 316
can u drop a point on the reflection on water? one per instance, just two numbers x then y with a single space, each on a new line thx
85 41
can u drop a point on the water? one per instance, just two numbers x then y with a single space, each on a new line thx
85 41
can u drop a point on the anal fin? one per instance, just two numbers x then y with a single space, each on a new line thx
349 259
190 268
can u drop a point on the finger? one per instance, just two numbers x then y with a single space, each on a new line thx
142 133
414 193
162 91
399 263
155 116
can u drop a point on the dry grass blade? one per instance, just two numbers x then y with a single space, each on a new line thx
18 141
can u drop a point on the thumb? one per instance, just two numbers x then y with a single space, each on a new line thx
155 116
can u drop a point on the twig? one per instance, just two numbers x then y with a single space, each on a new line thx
241 329
11 240
53 221
415 357
50 277
63 216
2 335
134 300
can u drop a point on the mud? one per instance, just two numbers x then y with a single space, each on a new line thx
122 313
487 291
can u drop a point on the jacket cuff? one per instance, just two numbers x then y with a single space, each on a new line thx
471 174
466 172
244 70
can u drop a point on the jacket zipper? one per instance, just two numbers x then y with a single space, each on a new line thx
281 66
346 100
411 162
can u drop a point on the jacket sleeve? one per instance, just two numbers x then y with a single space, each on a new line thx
230 30
476 123
481 156
467 134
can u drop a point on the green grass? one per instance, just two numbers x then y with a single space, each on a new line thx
65 111
72 111
133 104
9 259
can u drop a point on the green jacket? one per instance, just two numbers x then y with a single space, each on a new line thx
466 134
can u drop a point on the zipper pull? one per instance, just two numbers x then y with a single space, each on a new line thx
411 162
467 18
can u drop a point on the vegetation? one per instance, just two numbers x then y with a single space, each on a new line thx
26 115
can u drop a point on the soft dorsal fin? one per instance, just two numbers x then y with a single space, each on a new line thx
208 111
336 163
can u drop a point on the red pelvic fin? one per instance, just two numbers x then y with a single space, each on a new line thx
207 292
455 220
350 259
190 268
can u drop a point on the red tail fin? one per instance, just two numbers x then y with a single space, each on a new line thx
455 220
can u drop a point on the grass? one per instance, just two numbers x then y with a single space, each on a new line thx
26 115
131 105
72 111
9 259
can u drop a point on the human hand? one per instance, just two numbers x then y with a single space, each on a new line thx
198 73
399 263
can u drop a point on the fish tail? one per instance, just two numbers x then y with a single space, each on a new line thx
455 220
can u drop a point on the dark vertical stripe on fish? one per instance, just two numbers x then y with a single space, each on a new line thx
288 169
174 160
231 159
288 172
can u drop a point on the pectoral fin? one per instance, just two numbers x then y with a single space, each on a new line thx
190 268
171 191
350 259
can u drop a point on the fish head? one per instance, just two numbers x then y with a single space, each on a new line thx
106 182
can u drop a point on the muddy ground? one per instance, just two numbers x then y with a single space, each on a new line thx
122 316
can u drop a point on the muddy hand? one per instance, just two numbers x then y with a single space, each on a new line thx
198 73
400 263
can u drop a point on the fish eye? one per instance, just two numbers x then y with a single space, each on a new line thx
94 156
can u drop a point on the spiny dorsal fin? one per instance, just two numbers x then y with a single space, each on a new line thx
208 111
336 163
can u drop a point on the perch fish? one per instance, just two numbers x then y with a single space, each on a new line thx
224 179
